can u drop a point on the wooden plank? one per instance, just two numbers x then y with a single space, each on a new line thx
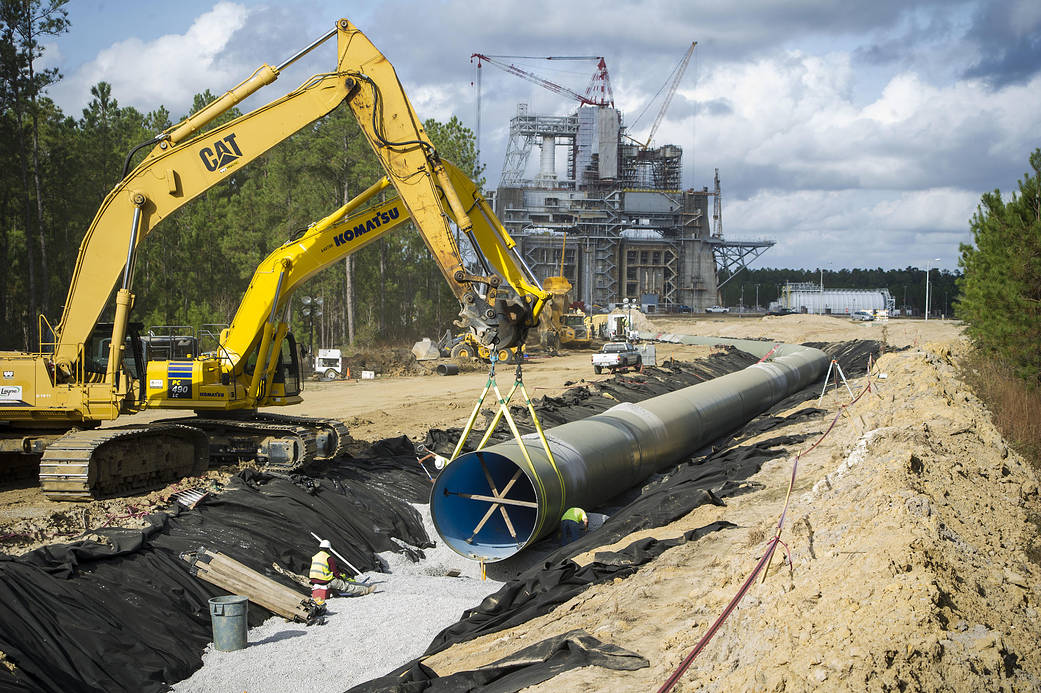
229 574
494 499
291 611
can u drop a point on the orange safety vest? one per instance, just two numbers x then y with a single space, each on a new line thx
320 567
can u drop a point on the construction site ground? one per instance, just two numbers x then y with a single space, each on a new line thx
912 534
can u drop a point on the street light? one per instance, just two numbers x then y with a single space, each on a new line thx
928 266
312 308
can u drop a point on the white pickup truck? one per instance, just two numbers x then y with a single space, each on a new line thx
616 356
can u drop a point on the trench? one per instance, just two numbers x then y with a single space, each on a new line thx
117 610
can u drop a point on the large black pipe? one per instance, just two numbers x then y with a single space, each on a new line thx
489 505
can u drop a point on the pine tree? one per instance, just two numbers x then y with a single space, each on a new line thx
1001 290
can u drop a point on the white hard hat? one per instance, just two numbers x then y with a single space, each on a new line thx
324 544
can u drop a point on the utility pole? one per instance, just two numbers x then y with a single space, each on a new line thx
928 267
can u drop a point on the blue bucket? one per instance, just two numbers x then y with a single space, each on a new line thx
228 616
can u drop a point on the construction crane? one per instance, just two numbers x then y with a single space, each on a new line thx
672 82
597 93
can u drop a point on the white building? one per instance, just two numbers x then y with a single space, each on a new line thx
807 297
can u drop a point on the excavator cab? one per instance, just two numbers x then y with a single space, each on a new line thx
288 370
96 351
286 376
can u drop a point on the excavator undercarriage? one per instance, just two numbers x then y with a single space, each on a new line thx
83 465
124 460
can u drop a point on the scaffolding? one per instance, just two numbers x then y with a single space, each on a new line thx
632 232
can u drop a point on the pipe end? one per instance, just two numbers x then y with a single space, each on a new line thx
484 506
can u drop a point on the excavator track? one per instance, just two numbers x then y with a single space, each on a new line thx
336 431
236 439
84 465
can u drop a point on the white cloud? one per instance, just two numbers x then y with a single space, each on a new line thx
855 228
818 146
166 71
794 115
51 56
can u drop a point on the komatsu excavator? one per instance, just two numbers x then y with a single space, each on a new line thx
227 380
86 372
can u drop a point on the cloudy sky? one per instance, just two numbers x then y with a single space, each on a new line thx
855 134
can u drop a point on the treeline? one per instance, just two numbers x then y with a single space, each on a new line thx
907 285
195 265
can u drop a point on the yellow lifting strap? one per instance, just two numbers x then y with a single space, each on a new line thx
504 411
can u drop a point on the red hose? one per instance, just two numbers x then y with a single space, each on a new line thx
765 560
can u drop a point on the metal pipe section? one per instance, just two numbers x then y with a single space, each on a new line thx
491 504
447 369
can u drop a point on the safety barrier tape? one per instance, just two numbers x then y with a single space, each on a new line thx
764 561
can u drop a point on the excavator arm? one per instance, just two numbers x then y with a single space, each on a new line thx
182 165
500 316
342 233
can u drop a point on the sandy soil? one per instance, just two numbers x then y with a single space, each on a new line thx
810 328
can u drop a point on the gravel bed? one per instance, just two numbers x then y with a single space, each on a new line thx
364 637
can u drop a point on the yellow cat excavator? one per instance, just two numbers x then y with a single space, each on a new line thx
86 372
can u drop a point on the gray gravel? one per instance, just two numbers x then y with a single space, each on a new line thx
364 637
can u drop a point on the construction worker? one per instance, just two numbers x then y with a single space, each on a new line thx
572 524
325 577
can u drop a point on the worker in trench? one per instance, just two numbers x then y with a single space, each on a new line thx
326 577
573 523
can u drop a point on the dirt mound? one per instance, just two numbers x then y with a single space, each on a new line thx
30 521
389 361
639 319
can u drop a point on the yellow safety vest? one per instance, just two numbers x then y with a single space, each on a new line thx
575 515
320 567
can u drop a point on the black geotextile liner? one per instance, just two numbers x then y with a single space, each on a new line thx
692 484
542 587
388 465
128 616
852 355
527 667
